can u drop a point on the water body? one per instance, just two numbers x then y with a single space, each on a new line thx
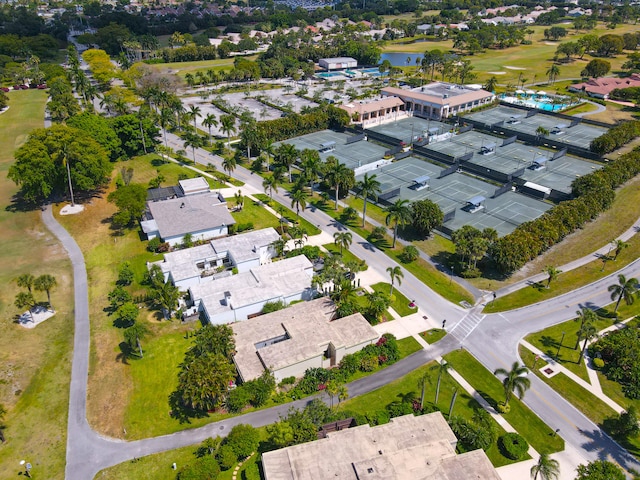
400 59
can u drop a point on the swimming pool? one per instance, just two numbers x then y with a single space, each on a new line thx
329 75
541 102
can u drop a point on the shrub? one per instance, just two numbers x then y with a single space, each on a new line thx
378 233
369 363
598 363
238 398
243 227
513 446
252 472
288 381
153 244
227 457
410 254
204 468
243 440
503 408
273 306
350 213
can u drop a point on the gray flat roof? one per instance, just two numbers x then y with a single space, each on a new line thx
182 264
309 328
408 447
193 213
243 247
422 179
477 200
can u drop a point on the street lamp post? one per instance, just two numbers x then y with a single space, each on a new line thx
561 344
411 141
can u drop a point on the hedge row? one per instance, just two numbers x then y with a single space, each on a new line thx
593 194
616 137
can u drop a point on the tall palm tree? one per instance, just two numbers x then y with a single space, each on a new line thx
398 213
443 368
26 281
547 468
229 165
194 113
46 283
491 84
586 316
25 300
299 199
626 289
193 141
336 173
210 121
270 184
552 272
515 380
396 275
286 156
553 72
619 245
586 333
165 118
268 148
228 126
342 240
368 186
311 165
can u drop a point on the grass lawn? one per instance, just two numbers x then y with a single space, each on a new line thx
590 405
408 386
407 346
36 363
182 68
347 256
253 212
549 339
527 423
288 214
400 303
566 282
433 335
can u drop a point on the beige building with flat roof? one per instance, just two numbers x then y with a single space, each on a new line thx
439 100
302 336
408 447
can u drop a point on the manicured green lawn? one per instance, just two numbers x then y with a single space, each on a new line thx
528 424
36 363
408 387
589 404
400 303
288 214
549 339
147 167
254 213
407 346
433 335
566 282
347 256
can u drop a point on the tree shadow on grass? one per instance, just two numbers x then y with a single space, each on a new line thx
180 412
379 243
126 353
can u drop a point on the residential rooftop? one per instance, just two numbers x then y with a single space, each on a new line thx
294 335
408 447
245 246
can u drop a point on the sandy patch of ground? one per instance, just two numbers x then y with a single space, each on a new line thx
33 318
497 73
71 209
551 43
514 68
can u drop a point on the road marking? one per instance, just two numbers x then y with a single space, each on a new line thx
467 325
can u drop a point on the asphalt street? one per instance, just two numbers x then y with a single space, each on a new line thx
492 339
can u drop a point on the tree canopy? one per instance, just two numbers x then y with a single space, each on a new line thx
40 167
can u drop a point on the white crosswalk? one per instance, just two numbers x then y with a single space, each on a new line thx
468 324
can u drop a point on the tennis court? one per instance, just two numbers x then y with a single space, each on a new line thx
560 130
415 179
402 129
539 164
328 142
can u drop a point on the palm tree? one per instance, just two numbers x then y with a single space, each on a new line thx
442 368
586 316
165 118
553 72
368 186
336 174
228 126
25 300
626 289
311 165
26 281
193 141
541 132
270 184
399 214
515 380
268 148
547 468
210 121
229 165
395 273
279 246
553 273
342 240
194 113
299 199
286 156
46 283
491 84
619 245
586 333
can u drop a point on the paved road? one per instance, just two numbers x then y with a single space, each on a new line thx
491 338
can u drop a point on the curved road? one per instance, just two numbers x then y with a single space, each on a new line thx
493 339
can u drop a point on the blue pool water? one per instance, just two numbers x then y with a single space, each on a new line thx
536 101
328 74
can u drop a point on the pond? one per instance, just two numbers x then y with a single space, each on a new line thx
400 59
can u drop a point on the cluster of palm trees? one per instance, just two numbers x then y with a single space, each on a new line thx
43 283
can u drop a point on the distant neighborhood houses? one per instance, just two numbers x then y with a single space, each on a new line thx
602 87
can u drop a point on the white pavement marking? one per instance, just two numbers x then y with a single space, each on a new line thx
468 324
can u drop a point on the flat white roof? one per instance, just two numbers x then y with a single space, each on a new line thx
194 185
245 246
338 60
